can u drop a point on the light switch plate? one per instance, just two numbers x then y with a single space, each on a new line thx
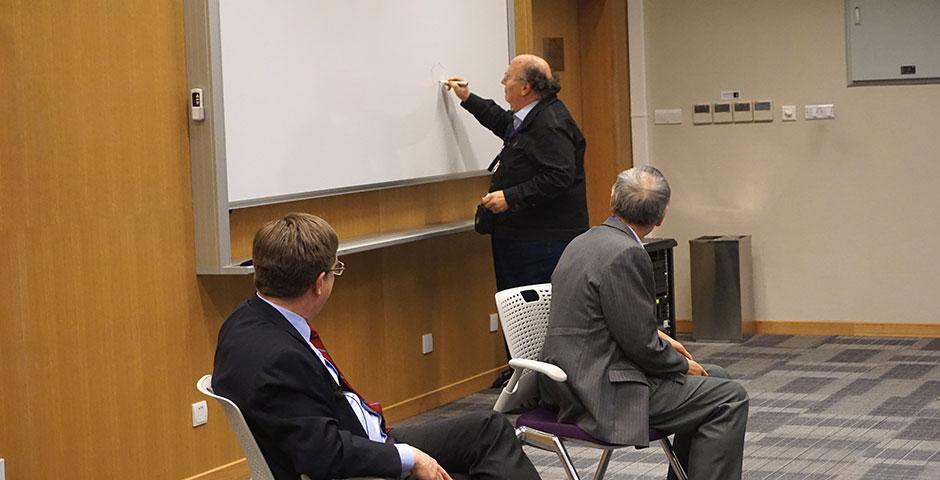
742 112
672 116
819 112
494 322
788 113
427 343
722 112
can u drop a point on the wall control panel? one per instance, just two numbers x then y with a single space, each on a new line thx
701 113
742 112
763 110
722 112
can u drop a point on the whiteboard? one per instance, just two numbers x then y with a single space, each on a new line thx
327 96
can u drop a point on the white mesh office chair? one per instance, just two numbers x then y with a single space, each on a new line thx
524 312
256 462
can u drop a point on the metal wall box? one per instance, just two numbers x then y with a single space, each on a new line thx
892 42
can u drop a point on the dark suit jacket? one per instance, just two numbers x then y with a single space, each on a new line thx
297 413
602 332
541 170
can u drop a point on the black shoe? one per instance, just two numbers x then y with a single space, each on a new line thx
502 378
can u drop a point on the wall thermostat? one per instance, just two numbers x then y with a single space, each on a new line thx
701 113
722 112
743 112
763 110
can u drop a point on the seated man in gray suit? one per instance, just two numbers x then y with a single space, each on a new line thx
624 375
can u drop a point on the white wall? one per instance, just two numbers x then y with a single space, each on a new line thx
844 213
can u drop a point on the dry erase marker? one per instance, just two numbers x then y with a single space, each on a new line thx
461 83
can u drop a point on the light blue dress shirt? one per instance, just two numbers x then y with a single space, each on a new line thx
519 117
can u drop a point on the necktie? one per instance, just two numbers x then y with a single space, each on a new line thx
317 343
510 134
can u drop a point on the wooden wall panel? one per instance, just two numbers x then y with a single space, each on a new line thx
106 326
595 84
559 19
606 96
373 212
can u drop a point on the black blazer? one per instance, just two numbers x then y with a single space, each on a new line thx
297 413
541 170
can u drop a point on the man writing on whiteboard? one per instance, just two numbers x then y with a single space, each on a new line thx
537 190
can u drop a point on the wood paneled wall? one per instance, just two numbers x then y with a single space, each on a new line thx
106 326
595 84
605 94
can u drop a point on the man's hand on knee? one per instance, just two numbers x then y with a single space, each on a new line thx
696 369
426 468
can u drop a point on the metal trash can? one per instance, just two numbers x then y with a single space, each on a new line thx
722 299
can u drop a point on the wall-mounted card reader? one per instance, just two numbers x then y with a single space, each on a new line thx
196 109
701 113
743 112
722 112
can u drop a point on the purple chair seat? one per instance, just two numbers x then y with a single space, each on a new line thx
546 420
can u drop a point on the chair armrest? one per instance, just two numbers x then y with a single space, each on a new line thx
552 371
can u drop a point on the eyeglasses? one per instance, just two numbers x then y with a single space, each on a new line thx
338 268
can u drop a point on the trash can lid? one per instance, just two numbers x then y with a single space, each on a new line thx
719 238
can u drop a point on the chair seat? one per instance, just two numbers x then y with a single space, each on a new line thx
546 420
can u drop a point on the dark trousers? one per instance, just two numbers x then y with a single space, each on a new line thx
708 416
475 446
525 262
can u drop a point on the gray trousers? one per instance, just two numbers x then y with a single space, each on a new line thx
708 416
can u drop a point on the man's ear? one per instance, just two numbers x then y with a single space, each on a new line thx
317 284
526 88
660 221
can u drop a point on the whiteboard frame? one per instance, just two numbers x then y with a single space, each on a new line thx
211 206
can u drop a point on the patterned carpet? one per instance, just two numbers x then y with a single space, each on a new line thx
821 408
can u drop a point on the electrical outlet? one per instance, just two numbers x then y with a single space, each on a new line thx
494 322
200 413
427 343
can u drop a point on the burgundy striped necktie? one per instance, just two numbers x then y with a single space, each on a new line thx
317 342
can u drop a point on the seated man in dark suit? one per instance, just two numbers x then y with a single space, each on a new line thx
624 375
302 411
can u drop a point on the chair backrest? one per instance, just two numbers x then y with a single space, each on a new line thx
523 313
256 462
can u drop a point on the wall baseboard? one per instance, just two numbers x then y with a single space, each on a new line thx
446 394
238 470
857 329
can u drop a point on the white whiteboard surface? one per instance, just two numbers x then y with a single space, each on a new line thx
323 96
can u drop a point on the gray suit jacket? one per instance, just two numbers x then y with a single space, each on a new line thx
602 333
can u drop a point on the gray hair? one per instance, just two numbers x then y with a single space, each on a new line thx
543 85
640 195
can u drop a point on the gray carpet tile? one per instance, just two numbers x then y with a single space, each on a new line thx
822 408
